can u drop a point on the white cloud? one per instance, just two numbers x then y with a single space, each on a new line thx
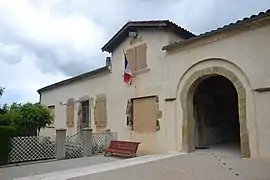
24 78
42 25
39 45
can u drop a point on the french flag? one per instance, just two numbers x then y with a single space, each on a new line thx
127 71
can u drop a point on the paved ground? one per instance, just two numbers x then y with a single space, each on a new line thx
201 165
41 168
209 164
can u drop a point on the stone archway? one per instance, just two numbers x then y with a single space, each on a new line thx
187 107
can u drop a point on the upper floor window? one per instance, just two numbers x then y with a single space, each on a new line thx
137 58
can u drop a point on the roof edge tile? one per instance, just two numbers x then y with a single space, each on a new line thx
225 27
135 25
98 71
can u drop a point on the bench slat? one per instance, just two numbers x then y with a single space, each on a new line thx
123 147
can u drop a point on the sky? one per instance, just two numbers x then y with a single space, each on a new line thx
45 41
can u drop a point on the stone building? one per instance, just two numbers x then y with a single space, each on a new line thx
187 90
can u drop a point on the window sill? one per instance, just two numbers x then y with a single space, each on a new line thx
141 71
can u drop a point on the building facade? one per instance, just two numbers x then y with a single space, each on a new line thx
187 91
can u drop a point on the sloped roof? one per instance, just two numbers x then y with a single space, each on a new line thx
226 27
99 71
136 25
163 24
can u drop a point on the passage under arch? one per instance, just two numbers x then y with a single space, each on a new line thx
187 95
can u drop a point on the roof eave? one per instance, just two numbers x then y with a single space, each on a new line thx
237 24
110 45
98 71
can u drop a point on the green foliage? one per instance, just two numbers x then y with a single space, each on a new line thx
32 117
28 118
5 120
4 109
9 114
6 132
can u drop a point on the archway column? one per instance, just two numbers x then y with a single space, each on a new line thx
187 94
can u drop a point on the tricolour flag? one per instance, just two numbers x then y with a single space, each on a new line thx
127 71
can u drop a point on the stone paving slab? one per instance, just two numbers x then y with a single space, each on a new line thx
10 173
248 168
185 167
202 165
86 170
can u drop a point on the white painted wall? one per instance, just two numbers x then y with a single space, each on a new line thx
246 54
74 90
117 92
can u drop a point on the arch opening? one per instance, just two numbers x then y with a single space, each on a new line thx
191 84
215 111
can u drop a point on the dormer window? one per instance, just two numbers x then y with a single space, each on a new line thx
137 58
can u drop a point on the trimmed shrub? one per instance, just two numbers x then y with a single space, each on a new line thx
6 132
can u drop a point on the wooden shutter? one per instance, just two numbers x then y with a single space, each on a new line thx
131 59
141 57
70 113
100 111
79 115
144 114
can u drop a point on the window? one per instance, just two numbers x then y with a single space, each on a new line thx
52 110
137 58
145 114
85 112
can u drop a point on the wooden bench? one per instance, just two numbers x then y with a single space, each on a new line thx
127 148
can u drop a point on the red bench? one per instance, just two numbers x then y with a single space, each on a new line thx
128 148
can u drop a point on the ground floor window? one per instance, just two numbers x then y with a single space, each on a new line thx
85 113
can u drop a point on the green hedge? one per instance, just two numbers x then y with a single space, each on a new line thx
6 132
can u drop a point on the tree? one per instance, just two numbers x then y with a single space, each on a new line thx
4 108
27 118
31 118
8 115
